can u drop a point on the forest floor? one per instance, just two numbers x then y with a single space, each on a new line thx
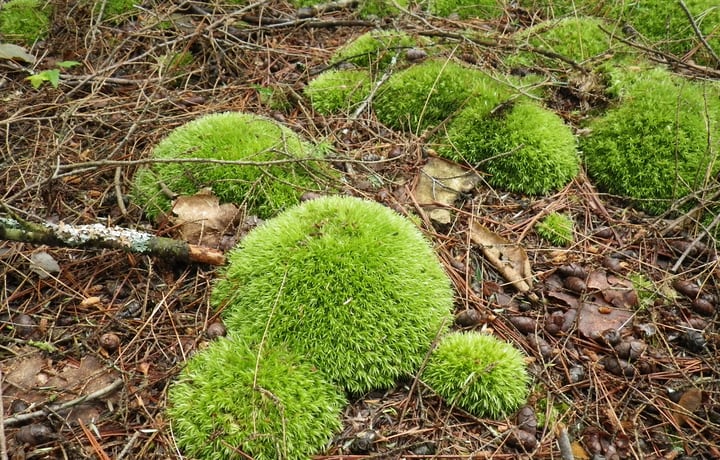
648 388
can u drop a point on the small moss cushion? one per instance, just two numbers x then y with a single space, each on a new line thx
478 373
523 146
338 90
653 146
232 136
229 400
346 283
24 21
556 228
374 50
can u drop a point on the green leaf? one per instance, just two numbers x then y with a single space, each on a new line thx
53 76
37 80
67 64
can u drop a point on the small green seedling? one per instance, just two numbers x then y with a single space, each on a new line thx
51 76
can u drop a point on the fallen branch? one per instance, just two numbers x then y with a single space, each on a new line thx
98 236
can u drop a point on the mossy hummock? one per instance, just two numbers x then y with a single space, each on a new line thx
374 50
556 228
268 405
338 90
478 373
653 145
264 189
427 94
346 283
25 21
523 146
485 9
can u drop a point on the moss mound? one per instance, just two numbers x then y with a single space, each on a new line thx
556 228
346 283
485 9
653 147
25 21
529 148
269 407
231 136
338 90
479 373
575 38
428 93
374 49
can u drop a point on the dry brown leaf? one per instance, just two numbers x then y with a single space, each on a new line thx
439 184
618 292
201 219
510 259
595 315
689 402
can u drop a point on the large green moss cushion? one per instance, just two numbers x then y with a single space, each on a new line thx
264 189
230 398
348 284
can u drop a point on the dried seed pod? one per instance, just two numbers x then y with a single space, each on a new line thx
524 324
687 288
363 441
18 406
25 326
576 374
575 270
694 341
603 232
215 330
554 322
415 54
526 420
34 434
575 284
522 439
617 366
110 341
539 344
703 307
611 337
468 318
612 263
630 349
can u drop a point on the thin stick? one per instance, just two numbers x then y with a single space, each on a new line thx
59 407
3 445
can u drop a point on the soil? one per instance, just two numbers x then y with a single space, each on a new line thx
620 328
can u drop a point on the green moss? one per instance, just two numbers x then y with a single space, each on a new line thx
338 90
653 146
575 38
529 148
269 407
551 9
348 284
114 9
485 9
428 93
231 136
381 8
25 21
374 49
479 373
556 228
666 25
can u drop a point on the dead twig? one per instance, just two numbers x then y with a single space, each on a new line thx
697 31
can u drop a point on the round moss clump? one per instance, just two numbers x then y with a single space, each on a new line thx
485 9
269 407
478 373
264 189
556 228
428 93
338 90
528 147
374 49
346 283
653 146
25 21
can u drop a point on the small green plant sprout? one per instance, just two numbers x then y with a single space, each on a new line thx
51 76
375 50
523 146
264 188
645 289
655 145
25 21
464 9
346 283
427 94
268 405
478 373
556 228
575 38
338 90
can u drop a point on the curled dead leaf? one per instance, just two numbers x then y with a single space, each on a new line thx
509 259
202 220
